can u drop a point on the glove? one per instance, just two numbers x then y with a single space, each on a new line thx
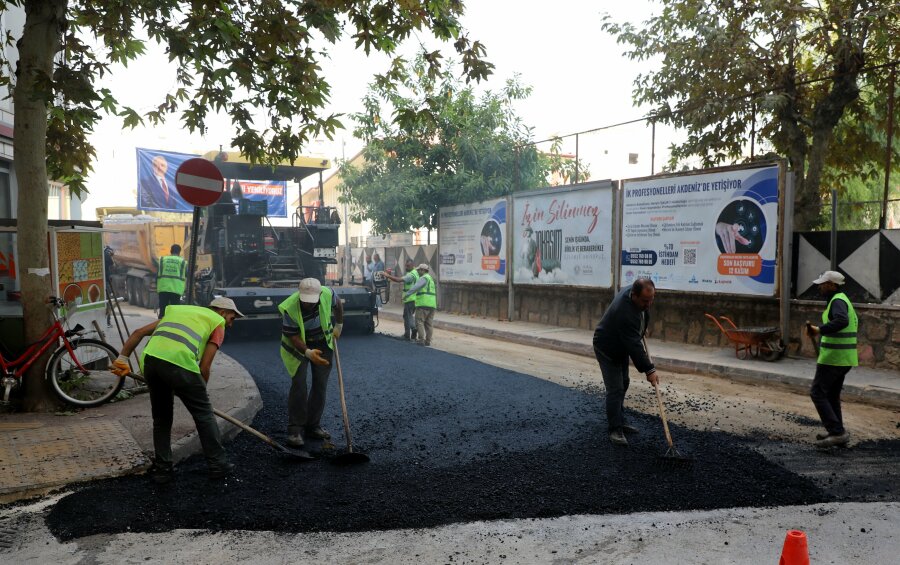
121 367
336 331
315 355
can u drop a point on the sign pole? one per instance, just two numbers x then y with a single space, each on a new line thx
200 183
192 257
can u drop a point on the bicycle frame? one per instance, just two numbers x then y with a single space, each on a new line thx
15 369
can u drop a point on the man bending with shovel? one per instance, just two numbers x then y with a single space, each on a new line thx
311 319
176 362
618 336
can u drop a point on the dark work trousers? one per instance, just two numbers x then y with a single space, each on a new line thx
409 320
826 396
615 377
166 299
305 409
165 381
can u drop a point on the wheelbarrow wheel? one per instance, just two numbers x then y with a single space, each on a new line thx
771 350
742 351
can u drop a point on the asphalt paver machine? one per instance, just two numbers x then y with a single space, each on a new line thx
258 265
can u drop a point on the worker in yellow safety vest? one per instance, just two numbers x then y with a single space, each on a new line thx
409 301
170 279
311 319
177 362
425 292
837 355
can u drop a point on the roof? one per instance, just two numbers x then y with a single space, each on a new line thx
233 165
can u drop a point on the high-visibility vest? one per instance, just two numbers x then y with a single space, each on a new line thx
839 350
427 296
409 285
290 355
181 335
171 275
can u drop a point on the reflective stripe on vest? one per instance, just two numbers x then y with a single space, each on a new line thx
181 336
407 286
171 276
839 349
290 355
427 297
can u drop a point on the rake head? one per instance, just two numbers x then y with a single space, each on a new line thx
672 458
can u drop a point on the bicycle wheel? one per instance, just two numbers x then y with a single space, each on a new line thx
92 387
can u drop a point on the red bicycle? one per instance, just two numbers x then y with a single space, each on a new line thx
79 368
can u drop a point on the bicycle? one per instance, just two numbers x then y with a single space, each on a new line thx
78 369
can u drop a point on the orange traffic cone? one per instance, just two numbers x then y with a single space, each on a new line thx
795 551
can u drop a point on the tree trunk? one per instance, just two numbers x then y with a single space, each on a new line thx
39 44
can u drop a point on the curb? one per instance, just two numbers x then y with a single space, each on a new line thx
245 411
858 393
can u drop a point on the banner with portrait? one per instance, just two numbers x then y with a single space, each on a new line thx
472 242
157 191
564 237
710 232
156 181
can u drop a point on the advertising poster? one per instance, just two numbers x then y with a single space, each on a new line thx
472 242
712 232
80 264
157 191
563 237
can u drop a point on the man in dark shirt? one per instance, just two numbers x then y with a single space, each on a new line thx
618 337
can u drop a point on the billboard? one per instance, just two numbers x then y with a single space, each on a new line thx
710 232
472 242
564 237
156 185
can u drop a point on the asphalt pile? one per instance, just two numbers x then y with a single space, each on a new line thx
450 440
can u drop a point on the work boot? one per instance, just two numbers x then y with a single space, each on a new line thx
317 433
834 440
161 473
629 429
618 438
820 437
220 471
294 440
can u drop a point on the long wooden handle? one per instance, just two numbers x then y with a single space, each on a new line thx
247 428
337 361
234 421
662 414
659 402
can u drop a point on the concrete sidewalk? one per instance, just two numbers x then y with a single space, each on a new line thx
863 384
42 452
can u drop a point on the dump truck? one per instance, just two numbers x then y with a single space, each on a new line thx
133 246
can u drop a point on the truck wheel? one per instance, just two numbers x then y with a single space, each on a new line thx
145 294
130 290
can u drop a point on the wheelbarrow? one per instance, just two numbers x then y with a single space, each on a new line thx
761 342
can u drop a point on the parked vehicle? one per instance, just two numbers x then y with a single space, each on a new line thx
135 244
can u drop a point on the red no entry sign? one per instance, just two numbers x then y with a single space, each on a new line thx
199 182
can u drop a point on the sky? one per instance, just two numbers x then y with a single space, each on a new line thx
579 77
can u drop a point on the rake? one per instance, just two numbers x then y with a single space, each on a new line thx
672 457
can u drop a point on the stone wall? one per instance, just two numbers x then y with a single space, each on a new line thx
677 316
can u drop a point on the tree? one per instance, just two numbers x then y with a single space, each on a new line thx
233 57
789 70
448 145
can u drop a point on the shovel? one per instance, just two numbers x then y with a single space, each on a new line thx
296 454
672 456
350 457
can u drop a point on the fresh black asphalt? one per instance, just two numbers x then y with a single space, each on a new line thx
455 440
